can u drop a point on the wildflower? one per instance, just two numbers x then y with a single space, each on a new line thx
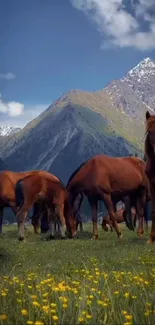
29 322
35 303
126 295
128 317
88 316
24 312
38 322
55 317
124 312
3 317
64 305
147 313
53 305
53 311
116 292
81 319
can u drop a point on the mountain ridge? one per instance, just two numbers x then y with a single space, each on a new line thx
80 124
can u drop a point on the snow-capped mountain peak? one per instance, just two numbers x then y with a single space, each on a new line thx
8 130
143 69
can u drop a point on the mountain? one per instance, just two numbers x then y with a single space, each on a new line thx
2 165
82 124
8 130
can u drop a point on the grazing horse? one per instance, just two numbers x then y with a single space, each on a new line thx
150 166
47 189
8 180
120 217
110 179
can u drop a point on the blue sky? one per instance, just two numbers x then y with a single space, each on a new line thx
49 47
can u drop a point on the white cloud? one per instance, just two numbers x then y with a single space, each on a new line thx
7 76
122 21
11 108
28 115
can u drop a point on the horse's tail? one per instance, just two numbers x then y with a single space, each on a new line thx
19 193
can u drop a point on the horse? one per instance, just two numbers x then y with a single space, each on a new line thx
47 189
149 148
120 217
110 179
8 180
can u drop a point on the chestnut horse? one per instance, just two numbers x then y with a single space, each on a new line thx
150 166
110 179
45 188
120 217
8 180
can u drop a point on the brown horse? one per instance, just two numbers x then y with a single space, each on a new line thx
45 188
8 180
150 166
110 179
120 217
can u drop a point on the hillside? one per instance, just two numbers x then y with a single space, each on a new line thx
81 124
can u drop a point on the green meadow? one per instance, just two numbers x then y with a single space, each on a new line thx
77 281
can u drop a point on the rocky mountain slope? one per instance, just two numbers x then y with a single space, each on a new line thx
81 124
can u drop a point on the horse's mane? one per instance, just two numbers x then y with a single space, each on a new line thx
150 124
76 171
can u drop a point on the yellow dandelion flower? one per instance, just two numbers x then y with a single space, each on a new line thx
127 323
3 317
128 317
55 317
64 305
35 303
53 304
88 316
116 292
81 319
53 311
34 297
4 294
29 322
126 295
147 313
124 312
38 322
24 312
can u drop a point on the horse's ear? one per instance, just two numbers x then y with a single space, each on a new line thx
148 115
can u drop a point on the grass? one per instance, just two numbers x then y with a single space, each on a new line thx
80 281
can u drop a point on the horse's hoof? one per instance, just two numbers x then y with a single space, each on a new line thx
63 237
21 239
95 237
51 237
150 241
140 235
120 236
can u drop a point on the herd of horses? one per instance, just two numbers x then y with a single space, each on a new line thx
100 178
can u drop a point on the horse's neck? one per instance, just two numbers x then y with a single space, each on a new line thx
150 166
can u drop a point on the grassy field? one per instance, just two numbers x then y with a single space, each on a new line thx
80 281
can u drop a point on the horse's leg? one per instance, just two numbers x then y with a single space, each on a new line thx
152 233
146 216
60 215
36 217
111 211
1 219
128 214
81 226
93 204
140 212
